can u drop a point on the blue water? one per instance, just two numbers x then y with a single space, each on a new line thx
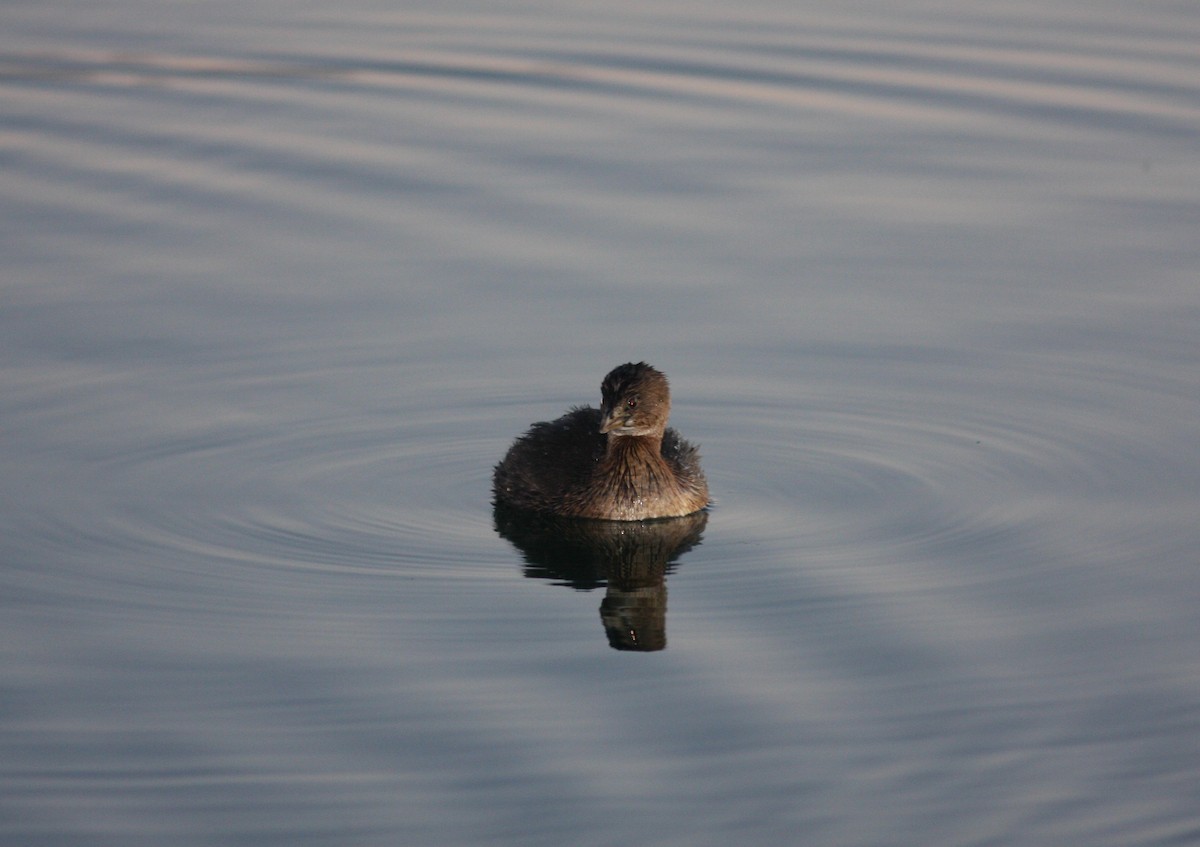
280 282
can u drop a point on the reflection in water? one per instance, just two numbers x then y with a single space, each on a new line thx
631 557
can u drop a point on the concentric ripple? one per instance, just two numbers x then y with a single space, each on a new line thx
905 459
340 496
842 470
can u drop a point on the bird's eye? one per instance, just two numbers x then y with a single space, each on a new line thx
631 402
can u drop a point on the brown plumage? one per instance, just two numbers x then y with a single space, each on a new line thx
619 462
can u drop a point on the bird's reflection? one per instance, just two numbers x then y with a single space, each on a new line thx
630 558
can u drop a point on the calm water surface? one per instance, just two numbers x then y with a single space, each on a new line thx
281 281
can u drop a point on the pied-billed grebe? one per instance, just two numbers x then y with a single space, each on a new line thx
619 462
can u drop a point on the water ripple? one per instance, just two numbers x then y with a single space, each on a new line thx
915 471
1151 91
279 290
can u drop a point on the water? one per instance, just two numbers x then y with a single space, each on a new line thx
282 281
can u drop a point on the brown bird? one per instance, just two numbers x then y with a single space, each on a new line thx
620 462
